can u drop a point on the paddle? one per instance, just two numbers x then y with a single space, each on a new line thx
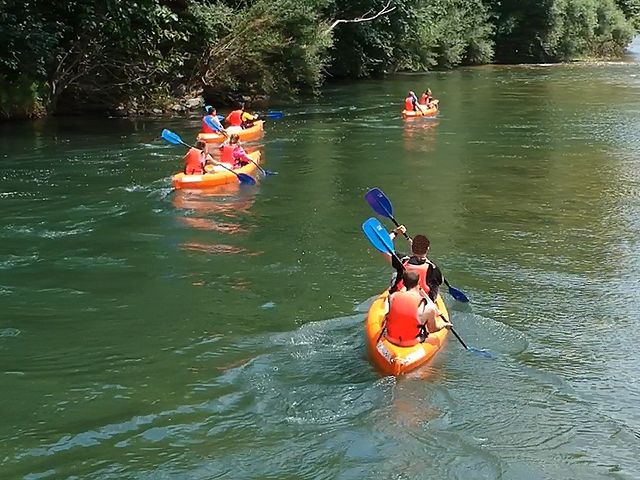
272 114
383 207
175 139
211 124
381 240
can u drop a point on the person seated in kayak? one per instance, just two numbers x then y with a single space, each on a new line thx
410 316
195 159
240 118
212 115
232 153
411 102
427 99
430 275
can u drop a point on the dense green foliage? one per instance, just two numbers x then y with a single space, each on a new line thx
109 54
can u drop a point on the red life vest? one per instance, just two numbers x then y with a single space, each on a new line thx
206 128
226 150
403 321
408 103
234 119
424 99
193 162
422 271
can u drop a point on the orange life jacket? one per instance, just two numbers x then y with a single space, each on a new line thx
234 119
403 321
421 270
424 99
193 162
408 103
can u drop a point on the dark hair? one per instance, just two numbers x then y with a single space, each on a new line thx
234 138
241 105
420 245
208 108
200 145
410 279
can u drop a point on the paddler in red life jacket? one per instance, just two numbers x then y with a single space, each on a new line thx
232 153
410 316
212 114
240 118
430 275
411 102
195 159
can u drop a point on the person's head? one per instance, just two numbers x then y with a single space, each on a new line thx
420 245
200 145
410 279
428 92
210 110
411 93
234 138
241 106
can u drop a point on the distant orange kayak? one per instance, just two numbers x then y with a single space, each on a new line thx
391 359
218 177
423 111
246 134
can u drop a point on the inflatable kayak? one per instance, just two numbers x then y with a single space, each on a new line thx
218 177
391 359
423 111
246 134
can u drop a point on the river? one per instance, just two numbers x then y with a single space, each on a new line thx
153 334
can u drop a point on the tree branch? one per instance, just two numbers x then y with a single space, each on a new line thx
367 17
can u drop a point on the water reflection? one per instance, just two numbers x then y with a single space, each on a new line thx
222 210
420 134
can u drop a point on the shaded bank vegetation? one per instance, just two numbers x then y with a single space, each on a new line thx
132 56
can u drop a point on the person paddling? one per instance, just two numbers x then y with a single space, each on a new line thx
212 115
240 118
195 159
411 102
430 275
410 316
232 153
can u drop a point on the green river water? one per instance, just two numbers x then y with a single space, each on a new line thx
153 334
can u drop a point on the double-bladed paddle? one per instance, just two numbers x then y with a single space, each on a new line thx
381 204
174 139
213 125
271 114
381 240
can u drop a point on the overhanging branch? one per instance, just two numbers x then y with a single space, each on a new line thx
367 17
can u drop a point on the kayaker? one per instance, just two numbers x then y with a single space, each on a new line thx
410 316
240 118
426 98
212 114
430 275
195 159
411 102
232 153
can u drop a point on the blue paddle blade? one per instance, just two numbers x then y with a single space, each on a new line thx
377 235
459 295
379 202
211 124
482 352
220 117
246 179
274 115
171 137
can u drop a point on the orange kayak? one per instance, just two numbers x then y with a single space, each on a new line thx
246 134
423 111
391 359
218 177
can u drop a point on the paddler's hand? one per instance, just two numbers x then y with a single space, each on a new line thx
401 230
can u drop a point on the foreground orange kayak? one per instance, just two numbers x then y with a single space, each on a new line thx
426 112
391 359
218 177
246 134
